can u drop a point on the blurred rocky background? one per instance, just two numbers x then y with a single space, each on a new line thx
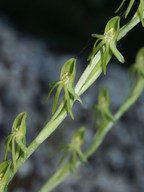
36 38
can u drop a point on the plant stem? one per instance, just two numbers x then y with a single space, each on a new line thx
51 126
62 173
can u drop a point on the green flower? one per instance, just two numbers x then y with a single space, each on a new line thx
140 9
4 174
102 109
138 67
74 148
109 39
66 82
17 136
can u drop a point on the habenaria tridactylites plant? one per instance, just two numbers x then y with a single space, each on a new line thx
16 152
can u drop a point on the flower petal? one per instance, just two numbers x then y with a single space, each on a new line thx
56 98
115 51
129 8
96 49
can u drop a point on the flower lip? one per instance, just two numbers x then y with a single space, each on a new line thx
110 35
65 77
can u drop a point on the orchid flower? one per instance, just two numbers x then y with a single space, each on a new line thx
138 67
102 109
74 148
109 39
66 82
17 136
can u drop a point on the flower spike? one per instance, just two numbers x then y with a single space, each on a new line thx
109 39
17 136
66 82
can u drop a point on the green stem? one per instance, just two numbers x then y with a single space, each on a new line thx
63 173
132 98
51 126
3 188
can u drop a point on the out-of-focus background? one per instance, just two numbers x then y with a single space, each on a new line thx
36 38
